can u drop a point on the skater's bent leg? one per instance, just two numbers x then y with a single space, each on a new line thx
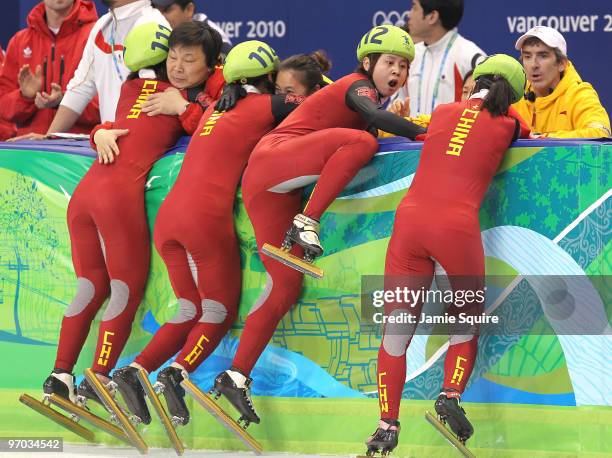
463 261
405 267
271 214
350 151
170 338
128 257
92 290
219 284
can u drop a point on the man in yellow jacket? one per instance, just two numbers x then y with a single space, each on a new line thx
557 102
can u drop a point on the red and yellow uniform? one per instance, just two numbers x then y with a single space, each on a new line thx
194 231
109 233
437 222
324 140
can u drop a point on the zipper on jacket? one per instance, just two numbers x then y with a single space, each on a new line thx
52 66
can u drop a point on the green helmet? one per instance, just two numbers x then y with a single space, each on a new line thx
386 39
248 60
146 45
508 68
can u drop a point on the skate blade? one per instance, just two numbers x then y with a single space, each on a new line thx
213 408
112 406
292 261
57 417
89 417
161 412
448 435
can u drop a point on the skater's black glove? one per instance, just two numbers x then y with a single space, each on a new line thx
230 96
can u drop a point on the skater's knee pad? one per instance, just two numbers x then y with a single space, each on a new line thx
265 294
186 312
459 339
462 332
120 293
397 335
213 312
293 184
85 293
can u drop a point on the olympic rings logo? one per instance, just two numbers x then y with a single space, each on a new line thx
390 17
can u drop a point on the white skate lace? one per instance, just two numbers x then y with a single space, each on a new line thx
306 223
452 395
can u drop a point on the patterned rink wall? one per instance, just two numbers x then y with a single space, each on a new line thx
546 218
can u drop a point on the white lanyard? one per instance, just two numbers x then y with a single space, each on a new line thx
112 43
438 79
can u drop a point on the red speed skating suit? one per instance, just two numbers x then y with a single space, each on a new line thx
323 140
195 226
437 221
109 233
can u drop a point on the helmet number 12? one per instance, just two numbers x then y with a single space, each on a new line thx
380 30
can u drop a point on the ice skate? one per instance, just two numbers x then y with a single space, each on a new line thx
59 391
86 393
169 384
142 378
384 439
60 384
305 232
238 428
449 411
118 413
126 380
236 388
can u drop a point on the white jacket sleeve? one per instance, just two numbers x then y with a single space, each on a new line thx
467 56
82 87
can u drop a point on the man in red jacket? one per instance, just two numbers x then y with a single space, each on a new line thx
40 60
7 129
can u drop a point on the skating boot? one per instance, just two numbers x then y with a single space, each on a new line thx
131 390
169 383
85 392
61 384
304 232
236 388
449 411
384 439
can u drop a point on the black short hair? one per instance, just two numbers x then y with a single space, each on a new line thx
196 33
374 56
164 5
450 11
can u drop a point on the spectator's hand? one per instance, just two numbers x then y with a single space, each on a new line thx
106 144
537 135
30 83
30 136
169 102
44 100
401 108
230 96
